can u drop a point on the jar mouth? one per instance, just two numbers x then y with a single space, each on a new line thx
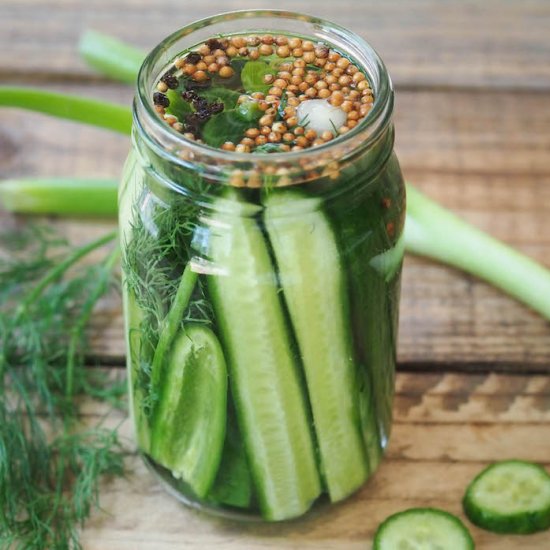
167 142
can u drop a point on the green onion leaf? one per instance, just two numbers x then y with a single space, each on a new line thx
71 107
110 56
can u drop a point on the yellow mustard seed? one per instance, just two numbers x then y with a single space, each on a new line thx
308 45
232 51
254 55
238 42
297 52
266 120
337 98
253 40
265 49
281 40
260 140
310 134
213 68
226 71
324 93
274 137
343 63
283 51
267 39
228 146
280 83
294 42
279 127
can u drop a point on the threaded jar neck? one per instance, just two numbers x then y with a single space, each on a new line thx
160 146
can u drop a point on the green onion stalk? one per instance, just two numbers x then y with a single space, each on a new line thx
430 229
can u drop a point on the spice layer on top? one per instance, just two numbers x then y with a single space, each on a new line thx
269 93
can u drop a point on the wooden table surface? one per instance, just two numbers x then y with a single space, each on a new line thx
473 131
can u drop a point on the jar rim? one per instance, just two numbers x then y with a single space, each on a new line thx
165 140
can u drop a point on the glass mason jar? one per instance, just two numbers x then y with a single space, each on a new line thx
261 297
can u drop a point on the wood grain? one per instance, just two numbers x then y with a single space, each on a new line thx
448 427
423 42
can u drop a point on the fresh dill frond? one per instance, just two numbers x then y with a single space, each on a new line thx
49 468
155 259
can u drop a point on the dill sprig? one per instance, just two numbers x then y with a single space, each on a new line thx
49 467
156 264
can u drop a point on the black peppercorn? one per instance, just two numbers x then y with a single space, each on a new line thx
214 44
216 107
189 95
170 80
193 58
160 99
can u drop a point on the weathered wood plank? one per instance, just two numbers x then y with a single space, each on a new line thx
423 42
429 464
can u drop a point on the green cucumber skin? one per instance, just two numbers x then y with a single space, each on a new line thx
361 226
315 292
189 423
521 523
233 485
380 542
265 384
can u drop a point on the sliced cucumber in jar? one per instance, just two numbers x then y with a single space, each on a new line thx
512 496
423 529
265 381
315 292
189 422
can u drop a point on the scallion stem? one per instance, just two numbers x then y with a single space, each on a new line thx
90 111
172 322
433 231
110 56
62 196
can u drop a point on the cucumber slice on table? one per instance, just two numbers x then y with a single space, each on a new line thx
269 401
511 496
423 529
189 422
315 292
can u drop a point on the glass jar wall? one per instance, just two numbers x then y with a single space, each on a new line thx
261 297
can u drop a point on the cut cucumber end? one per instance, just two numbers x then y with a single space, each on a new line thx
423 529
511 496
189 424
